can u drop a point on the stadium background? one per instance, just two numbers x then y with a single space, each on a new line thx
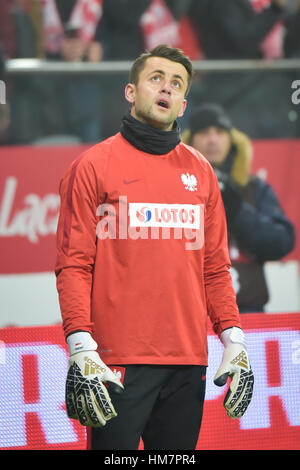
33 356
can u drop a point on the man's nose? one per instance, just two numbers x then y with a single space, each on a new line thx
166 87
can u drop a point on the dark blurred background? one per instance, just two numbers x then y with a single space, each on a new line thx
69 104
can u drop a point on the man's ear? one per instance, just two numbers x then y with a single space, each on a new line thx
183 106
130 93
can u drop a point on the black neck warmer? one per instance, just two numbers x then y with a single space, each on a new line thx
147 138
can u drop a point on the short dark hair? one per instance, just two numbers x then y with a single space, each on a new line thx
166 52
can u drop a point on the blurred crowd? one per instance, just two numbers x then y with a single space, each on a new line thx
88 108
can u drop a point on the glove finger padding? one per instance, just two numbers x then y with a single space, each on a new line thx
235 364
87 398
239 394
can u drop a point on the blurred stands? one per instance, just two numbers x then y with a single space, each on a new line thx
89 106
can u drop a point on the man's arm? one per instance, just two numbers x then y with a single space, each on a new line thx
76 245
87 396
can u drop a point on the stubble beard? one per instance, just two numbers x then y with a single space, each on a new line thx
153 119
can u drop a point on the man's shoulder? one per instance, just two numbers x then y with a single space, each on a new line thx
95 156
92 159
99 150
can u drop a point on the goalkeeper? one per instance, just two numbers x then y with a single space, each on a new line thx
142 258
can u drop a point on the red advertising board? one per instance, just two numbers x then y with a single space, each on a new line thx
33 365
29 204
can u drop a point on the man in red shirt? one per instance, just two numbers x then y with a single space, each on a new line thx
142 261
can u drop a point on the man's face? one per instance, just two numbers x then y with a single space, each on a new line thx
214 143
159 97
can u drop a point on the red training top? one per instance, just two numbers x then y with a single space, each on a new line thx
142 254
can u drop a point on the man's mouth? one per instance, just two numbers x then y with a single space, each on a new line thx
163 103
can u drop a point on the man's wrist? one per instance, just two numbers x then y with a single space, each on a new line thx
81 341
233 335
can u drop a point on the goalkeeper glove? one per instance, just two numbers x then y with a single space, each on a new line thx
87 397
235 364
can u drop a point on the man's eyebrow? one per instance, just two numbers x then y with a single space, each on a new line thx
157 71
179 76
163 73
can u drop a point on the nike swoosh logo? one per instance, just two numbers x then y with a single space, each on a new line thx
131 181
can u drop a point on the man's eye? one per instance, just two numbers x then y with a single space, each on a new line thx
176 84
156 78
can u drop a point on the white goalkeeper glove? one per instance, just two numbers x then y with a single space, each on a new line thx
235 364
87 397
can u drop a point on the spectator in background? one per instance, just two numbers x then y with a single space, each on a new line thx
7 30
120 32
166 22
238 29
69 28
71 105
129 27
258 230
292 38
46 106
245 29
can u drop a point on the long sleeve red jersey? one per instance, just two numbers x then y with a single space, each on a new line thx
142 254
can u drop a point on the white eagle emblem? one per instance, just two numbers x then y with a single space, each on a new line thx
189 181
